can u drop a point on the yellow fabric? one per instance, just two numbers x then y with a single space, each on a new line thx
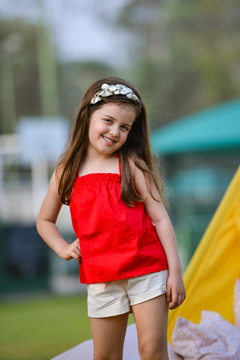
210 276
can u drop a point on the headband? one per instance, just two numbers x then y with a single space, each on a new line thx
109 90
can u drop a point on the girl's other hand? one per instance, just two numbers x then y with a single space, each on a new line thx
71 251
175 291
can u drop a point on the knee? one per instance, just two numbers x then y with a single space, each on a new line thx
150 351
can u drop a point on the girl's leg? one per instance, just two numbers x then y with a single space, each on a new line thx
151 319
108 337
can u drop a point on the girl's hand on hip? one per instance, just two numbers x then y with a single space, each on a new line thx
175 291
71 251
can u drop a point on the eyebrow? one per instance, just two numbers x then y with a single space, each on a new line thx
113 118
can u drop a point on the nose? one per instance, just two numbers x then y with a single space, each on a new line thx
114 131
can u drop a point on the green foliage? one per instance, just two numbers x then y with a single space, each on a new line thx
183 55
75 78
22 34
187 54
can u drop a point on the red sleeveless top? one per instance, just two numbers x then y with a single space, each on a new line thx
117 242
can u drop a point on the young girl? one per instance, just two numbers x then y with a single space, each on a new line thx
125 244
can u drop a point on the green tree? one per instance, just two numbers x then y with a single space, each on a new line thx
19 93
184 54
75 78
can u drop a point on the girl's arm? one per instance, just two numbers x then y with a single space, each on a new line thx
164 229
46 224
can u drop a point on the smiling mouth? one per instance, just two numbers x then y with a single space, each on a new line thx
109 141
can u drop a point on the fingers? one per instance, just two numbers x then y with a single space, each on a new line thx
176 301
76 255
76 251
174 298
72 251
175 291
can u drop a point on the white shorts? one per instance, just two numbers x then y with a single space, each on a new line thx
116 297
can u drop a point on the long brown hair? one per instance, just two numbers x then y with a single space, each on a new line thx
136 147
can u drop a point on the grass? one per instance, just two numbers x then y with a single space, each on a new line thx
39 329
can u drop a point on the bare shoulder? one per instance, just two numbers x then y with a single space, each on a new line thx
144 184
138 176
53 194
54 182
52 202
58 172
56 176
135 169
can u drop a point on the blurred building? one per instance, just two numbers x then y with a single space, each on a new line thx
27 160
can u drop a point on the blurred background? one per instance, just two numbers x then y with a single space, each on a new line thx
183 56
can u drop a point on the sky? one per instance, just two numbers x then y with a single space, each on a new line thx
80 28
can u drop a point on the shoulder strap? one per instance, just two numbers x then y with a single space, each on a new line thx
119 164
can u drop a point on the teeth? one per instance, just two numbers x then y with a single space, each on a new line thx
110 141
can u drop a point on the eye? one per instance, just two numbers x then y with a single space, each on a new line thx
125 128
108 121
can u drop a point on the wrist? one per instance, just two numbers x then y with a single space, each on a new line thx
61 250
175 270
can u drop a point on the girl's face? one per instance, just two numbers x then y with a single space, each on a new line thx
109 127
